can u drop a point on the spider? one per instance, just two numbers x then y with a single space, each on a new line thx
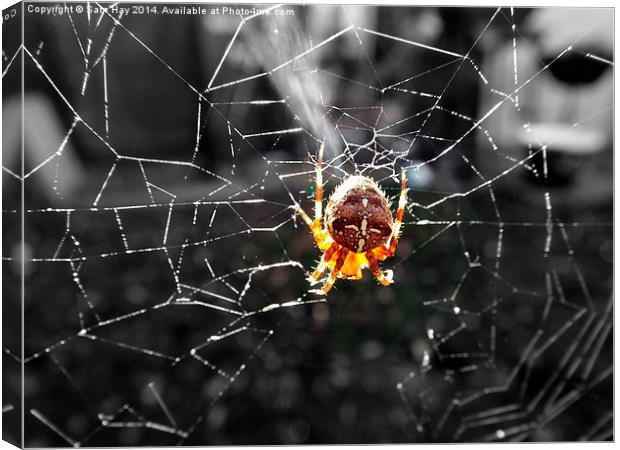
359 231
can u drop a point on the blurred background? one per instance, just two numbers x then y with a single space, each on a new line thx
164 146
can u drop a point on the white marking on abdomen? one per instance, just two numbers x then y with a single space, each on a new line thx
364 226
360 245
364 202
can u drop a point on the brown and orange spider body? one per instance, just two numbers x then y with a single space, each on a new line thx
360 231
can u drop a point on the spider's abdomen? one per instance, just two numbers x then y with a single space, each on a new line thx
358 215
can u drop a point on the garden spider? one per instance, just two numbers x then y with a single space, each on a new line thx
359 230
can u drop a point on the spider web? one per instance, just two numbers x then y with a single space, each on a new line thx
167 303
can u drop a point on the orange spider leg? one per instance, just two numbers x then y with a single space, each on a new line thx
327 257
384 279
340 258
321 237
318 195
386 252
316 226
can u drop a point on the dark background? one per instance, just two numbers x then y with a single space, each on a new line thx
467 345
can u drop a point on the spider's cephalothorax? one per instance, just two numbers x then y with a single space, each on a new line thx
359 229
